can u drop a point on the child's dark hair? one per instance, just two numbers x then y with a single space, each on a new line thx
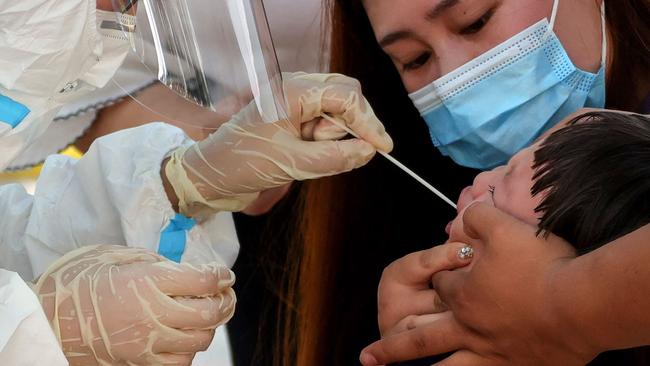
595 175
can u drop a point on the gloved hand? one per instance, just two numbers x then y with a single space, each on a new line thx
114 305
245 155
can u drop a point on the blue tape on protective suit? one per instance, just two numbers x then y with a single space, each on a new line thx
12 112
174 237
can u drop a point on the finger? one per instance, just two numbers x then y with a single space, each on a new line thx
417 268
412 322
441 336
174 359
329 78
119 254
396 305
325 130
343 80
201 313
424 302
321 129
463 358
185 279
483 222
335 157
353 109
184 342
307 130
448 284
404 287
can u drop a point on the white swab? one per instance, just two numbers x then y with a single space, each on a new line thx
396 162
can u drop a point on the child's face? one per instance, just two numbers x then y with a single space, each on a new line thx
506 187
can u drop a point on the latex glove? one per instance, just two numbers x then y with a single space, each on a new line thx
245 156
114 305
503 307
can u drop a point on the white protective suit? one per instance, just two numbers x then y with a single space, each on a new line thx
296 29
54 51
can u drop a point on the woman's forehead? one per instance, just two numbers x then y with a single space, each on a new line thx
417 16
388 15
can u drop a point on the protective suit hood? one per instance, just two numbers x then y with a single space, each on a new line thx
60 51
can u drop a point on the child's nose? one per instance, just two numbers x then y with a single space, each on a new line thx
482 183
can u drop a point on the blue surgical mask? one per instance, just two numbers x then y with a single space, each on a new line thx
484 112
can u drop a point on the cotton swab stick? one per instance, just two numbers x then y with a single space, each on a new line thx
396 162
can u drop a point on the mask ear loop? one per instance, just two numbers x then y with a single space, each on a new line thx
551 22
603 54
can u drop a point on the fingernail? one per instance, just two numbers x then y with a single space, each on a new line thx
368 360
466 253
389 142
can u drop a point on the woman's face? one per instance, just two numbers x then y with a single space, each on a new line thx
427 39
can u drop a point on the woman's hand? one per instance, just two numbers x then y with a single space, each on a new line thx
405 297
120 305
504 308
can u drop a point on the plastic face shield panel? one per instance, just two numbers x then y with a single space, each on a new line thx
218 54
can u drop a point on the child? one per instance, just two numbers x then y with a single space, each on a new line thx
588 183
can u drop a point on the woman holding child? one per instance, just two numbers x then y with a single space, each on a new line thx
493 319
488 77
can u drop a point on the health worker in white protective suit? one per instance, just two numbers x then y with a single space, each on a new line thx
139 307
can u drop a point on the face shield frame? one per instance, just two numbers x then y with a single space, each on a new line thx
219 55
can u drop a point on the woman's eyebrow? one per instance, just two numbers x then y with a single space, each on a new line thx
393 37
431 15
440 8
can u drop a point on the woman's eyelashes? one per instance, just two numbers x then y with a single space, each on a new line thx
418 62
476 26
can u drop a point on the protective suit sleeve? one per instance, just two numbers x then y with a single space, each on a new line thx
114 194
24 327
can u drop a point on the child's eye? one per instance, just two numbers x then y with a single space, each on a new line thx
491 190
418 62
478 24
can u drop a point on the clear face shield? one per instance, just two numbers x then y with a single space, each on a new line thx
216 53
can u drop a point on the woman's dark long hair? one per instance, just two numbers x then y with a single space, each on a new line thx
352 226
